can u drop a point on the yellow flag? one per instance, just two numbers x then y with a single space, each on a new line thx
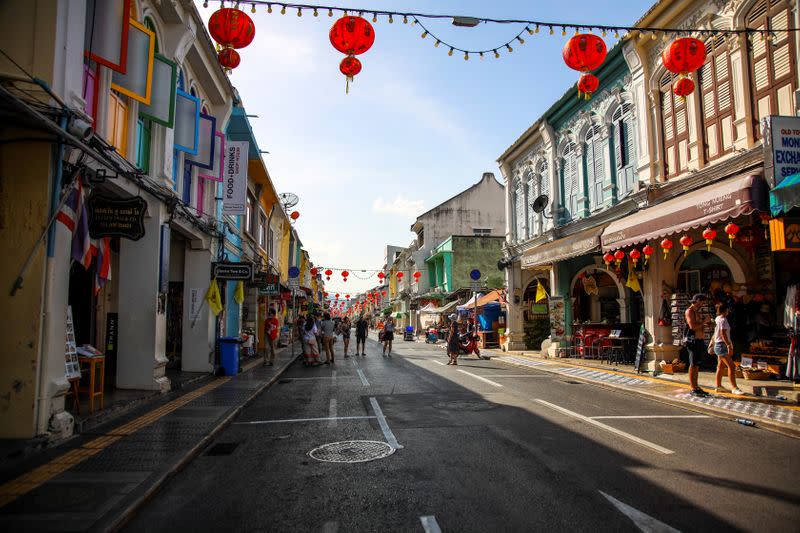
633 281
213 297
541 294
238 294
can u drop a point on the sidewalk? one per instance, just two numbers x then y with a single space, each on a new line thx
770 413
96 481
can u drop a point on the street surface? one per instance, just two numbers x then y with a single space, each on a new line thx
482 446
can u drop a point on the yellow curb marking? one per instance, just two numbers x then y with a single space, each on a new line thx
25 483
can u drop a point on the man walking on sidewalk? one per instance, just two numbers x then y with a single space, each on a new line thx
361 334
694 342
272 328
328 330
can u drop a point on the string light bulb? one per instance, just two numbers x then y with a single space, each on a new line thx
283 10
529 30
563 31
424 34
466 56
509 48
252 8
374 17
391 20
481 55
205 4
269 8
316 13
496 54
577 30
654 35
436 44
405 19
616 34
330 12
520 39
299 12
603 33
537 29
450 52
551 30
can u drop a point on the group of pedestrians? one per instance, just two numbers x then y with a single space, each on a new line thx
318 332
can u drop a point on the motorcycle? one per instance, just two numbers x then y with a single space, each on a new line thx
468 343
432 336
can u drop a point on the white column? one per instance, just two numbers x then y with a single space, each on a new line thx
198 331
514 324
142 321
660 345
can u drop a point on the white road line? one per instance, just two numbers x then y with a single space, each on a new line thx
363 377
429 524
290 420
489 381
390 438
517 376
646 416
440 363
332 422
616 431
318 378
644 522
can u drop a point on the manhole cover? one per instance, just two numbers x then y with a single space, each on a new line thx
465 405
351 451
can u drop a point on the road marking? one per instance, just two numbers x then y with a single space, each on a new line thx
429 524
616 431
332 423
517 376
325 378
291 420
489 381
363 377
644 522
646 416
440 363
390 438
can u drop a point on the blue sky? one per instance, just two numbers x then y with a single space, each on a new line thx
417 127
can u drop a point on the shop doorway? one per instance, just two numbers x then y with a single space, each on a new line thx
703 272
535 315
595 296
81 299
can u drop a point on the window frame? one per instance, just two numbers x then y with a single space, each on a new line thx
719 51
622 125
665 87
594 160
262 229
569 162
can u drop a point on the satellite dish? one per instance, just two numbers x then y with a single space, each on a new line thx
540 204
288 200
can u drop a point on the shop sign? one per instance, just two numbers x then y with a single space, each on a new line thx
234 172
784 234
232 270
781 148
114 217
557 316
413 306
268 284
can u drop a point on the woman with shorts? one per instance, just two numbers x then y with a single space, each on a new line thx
344 329
723 348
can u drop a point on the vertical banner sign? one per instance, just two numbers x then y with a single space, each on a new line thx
782 147
234 185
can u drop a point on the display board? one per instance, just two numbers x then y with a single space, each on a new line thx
640 349
73 366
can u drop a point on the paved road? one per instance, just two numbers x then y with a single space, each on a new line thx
483 446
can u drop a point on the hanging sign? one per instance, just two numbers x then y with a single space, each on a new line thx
232 270
781 149
234 172
113 217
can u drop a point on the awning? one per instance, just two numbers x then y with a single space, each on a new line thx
785 195
727 199
581 243
469 304
428 309
446 308
491 296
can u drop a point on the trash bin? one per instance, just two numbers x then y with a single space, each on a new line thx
229 355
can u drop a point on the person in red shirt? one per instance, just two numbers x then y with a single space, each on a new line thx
272 328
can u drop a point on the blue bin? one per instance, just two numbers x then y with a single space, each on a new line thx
229 355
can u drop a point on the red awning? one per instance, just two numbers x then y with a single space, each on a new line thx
727 199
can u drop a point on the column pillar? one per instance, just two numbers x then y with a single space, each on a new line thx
515 332
198 330
141 358
660 344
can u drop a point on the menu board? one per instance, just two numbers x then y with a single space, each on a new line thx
557 316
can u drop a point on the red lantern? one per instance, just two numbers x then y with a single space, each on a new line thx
731 229
684 55
686 242
399 275
336 295
647 251
314 272
325 294
381 275
229 58
350 67
619 255
345 273
584 52
231 27
587 84
666 245
383 293
635 255
709 235
328 274
416 276
295 215
347 296
683 87
607 258
352 35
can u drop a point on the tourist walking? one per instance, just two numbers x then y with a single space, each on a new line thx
344 330
272 327
310 337
693 340
388 336
723 348
452 340
362 326
328 333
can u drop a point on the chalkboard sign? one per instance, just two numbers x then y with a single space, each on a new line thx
113 217
640 349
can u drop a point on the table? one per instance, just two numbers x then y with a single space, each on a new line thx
617 349
488 339
96 384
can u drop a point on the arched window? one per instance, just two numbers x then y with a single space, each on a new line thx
676 128
773 61
595 167
530 196
624 151
150 25
569 181
716 100
542 186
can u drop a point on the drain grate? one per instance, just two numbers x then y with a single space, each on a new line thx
351 451
222 448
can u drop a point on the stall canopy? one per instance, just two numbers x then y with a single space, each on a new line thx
429 309
469 304
785 195
581 243
727 199
491 297
447 308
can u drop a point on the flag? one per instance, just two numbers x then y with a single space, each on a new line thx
541 294
74 216
633 281
213 298
238 294
102 269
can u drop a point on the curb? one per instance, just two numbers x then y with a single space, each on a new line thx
763 423
122 518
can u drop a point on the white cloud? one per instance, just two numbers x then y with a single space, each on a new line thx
399 206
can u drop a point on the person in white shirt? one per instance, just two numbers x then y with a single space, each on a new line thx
723 347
